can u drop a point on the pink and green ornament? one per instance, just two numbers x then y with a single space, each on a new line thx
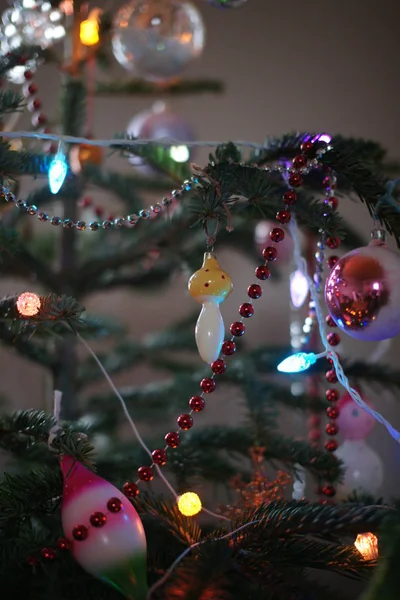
105 530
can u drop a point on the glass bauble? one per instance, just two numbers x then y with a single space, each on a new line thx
157 39
363 469
362 293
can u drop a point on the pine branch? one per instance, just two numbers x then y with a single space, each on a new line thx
11 101
73 101
138 86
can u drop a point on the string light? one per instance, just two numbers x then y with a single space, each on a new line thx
189 504
28 304
89 29
367 545
58 170
179 154
301 361
298 288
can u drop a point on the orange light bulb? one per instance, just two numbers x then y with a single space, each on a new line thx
28 304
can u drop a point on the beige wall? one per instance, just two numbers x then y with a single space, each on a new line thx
289 65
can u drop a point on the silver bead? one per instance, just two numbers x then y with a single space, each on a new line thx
133 219
319 256
94 226
68 224
187 185
320 245
156 208
20 204
119 222
106 225
166 201
55 221
10 197
32 209
81 225
43 216
177 193
144 214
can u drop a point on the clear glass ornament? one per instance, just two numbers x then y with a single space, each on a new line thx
363 468
157 39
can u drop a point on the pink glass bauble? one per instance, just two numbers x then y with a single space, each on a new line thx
362 293
363 469
354 423
114 553
262 239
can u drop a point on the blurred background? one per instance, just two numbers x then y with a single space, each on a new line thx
306 66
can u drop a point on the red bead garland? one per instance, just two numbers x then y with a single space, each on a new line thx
80 533
197 404
254 291
270 253
159 457
277 235
208 385
237 329
262 272
172 439
98 519
246 310
145 473
185 422
219 366
228 348
130 489
114 505
48 553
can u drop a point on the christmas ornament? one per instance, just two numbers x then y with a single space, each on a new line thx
28 304
228 3
189 504
157 39
363 468
354 423
107 533
210 286
30 23
367 545
157 123
298 288
362 293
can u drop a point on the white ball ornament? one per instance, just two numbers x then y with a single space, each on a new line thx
363 468
157 39
362 293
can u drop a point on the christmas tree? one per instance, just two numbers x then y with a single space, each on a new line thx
170 508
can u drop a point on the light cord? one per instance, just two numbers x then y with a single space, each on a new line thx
176 562
166 141
56 411
135 429
343 380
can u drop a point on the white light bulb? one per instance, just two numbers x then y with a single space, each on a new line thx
179 154
29 3
298 288
10 30
210 331
58 32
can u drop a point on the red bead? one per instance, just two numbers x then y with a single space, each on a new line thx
330 376
39 119
208 385
28 75
32 561
63 544
80 533
328 490
332 260
159 457
130 489
329 359
295 179
228 348
237 329
283 216
333 339
331 429
110 218
48 553
277 235
270 253
34 105
330 322
332 412
333 242
313 421
262 272
307 147
145 474
197 403
218 366
254 291
185 422
30 90
333 202
331 445
314 435
86 202
299 161
98 519
246 310
172 439
99 212
332 395
114 505
290 197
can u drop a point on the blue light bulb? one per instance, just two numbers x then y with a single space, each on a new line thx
297 362
58 170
